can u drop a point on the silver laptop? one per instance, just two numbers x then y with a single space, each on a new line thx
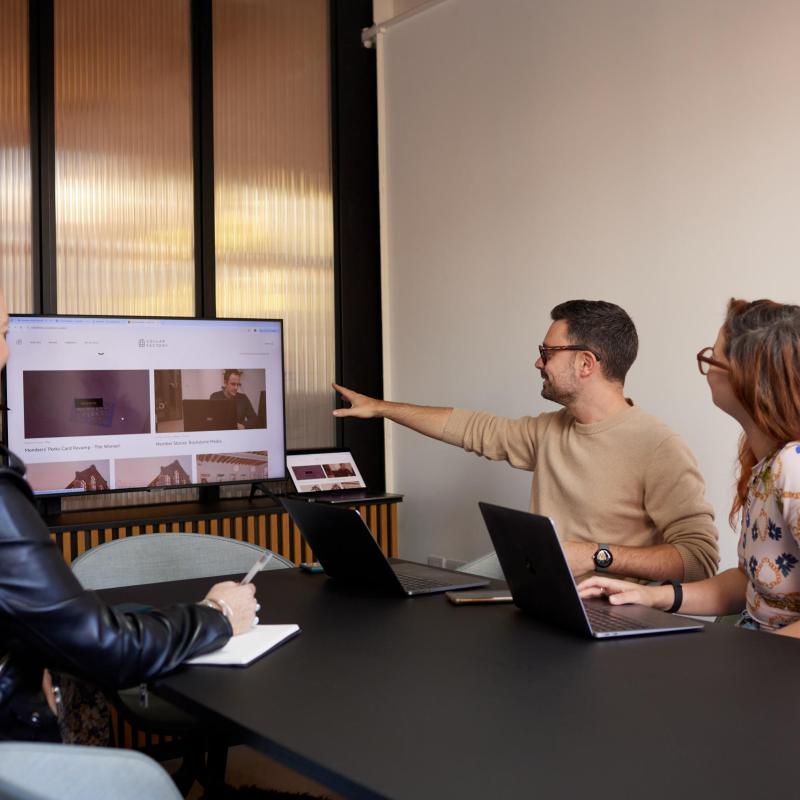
330 476
348 552
541 581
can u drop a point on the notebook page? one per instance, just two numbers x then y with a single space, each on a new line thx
246 647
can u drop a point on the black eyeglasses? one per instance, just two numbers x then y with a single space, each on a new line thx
706 360
544 350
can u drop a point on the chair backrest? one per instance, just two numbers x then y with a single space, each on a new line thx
37 771
158 557
487 566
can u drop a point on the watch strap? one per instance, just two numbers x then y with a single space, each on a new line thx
678 601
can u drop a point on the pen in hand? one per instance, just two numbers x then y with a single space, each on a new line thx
262 562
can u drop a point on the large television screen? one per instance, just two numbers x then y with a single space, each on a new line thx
100 404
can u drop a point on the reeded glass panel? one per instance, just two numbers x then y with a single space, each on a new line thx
273 204
15 160
124 185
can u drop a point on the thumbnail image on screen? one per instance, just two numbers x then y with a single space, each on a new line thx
97 402
210 399
71 476
131 473
220 467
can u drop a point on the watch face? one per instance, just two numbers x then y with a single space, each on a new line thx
603 558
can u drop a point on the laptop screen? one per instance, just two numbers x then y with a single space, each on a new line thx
330 471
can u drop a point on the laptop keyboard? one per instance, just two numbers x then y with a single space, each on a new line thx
604 621
414 583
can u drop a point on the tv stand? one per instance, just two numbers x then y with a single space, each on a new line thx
263 487
48 507
258 520
208 494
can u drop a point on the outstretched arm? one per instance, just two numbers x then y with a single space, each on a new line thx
428 420
496 438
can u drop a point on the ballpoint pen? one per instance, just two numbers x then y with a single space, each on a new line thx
262 562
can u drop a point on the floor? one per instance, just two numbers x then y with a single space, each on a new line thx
247 767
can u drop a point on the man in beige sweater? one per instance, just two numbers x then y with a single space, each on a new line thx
624 490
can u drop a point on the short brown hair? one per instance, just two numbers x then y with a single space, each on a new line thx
604 328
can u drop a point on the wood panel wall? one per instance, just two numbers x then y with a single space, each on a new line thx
268 528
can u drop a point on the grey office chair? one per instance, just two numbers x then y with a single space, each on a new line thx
486 566
35 771
158 557
154 558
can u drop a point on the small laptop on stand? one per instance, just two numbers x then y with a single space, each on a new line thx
327 476
541 582
348 552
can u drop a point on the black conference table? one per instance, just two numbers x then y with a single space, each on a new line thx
382 697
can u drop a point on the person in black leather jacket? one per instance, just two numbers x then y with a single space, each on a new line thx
47 619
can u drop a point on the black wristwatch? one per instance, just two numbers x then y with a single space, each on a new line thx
602 558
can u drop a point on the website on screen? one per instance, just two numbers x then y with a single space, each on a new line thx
112 403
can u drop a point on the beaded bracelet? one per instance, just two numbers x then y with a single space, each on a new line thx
218 605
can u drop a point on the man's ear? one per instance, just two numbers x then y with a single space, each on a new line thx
587 363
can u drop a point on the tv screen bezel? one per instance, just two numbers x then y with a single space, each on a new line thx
150 489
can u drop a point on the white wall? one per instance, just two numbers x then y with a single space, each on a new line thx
535 151
383 10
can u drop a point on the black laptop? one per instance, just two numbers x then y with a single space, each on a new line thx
348 552
209 415
330 476
541 581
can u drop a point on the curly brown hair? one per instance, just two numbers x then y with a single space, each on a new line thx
762 346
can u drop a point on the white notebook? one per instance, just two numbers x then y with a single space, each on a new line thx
246 647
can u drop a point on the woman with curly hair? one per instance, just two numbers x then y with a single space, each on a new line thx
753 371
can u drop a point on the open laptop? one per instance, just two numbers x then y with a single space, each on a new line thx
330 476
209 415
541 581
347 551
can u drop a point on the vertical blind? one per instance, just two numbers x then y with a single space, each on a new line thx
272 189
15 164
123 132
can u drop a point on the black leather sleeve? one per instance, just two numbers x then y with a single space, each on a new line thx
44 609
